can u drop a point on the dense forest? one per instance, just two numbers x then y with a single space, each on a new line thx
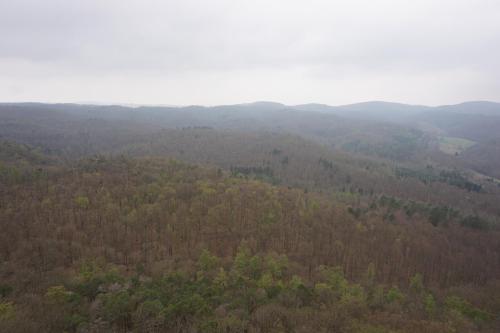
247 218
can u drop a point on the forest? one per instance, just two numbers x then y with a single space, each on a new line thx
120 219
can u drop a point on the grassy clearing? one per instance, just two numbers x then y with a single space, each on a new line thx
453 146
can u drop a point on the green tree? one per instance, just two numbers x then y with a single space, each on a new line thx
417 284
430 305
7 311
117 307
82 202
207 263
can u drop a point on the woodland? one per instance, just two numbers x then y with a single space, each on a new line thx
249 218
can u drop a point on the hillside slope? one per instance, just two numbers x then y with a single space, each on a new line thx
130 244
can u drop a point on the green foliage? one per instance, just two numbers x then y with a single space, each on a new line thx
334 277
430 305
455 178
245 265
430 175
207 262
276 264
390 202
149 310
116 306
417 284
354 295
455 303
190 305
90 287
376 298
92 275
262 294
9 174
474 222
438 215
58 295
324 293
112 275
7 311
370 276
157 217
262 173
296 283
266 281
5 290
394 295
75 320
82 202
221 280
399 146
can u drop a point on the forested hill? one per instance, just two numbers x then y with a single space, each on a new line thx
144 244
387 130
291 160
310 149
256 217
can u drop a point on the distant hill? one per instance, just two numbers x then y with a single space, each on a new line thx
387 111
474 107
382 111
24 121
392 131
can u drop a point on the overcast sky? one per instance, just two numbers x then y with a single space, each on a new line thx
231 51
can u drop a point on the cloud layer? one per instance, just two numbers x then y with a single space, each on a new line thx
230 51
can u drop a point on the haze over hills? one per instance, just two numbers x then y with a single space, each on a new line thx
363 127
397 134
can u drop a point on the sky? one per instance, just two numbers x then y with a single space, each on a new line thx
235 51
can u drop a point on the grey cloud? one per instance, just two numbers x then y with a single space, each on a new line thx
322 43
